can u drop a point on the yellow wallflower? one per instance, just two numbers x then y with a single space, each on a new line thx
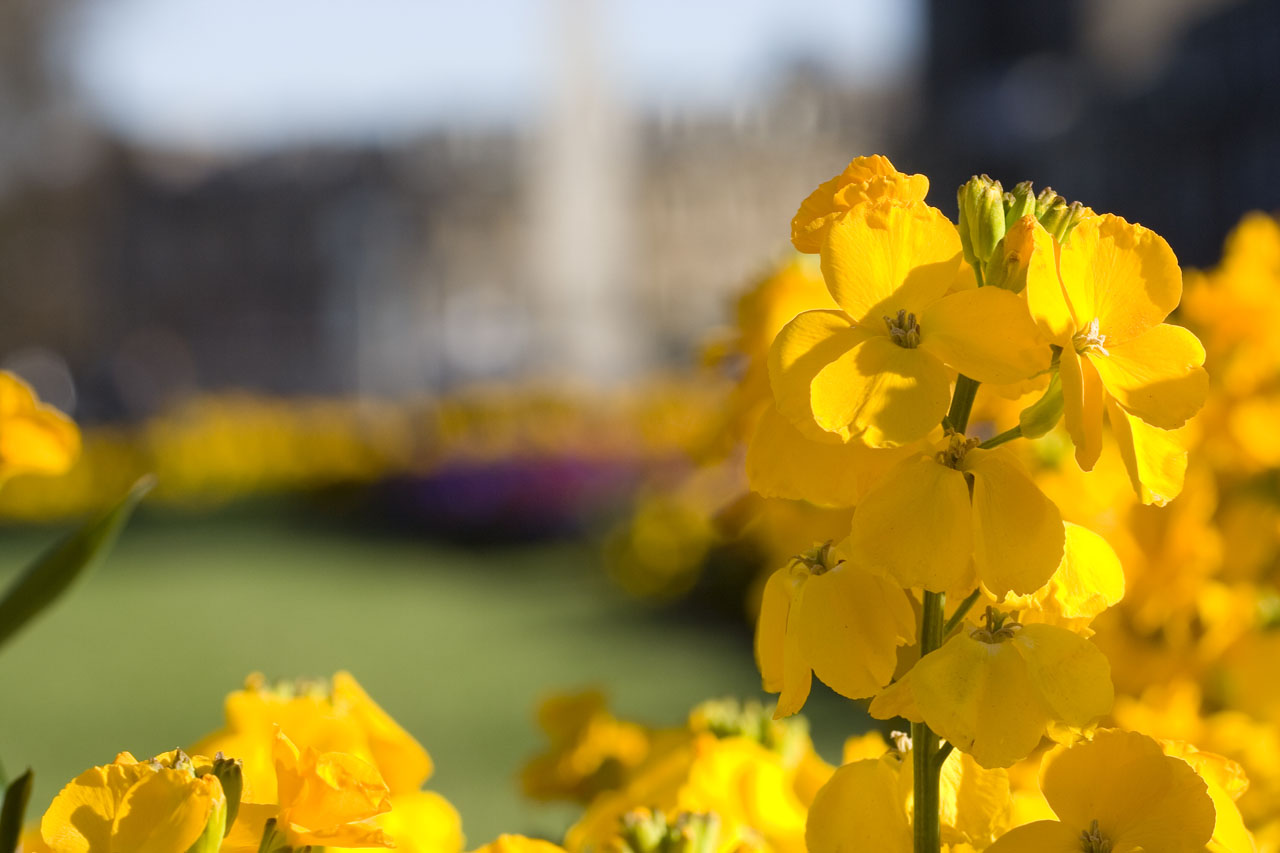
864 179
752 789
924 527
589 751
995 691
155 806
1115 794
334 717
34 438
1104 303
878 368
825 615
867 805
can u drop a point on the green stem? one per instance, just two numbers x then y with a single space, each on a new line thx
941 757
962 403
997 440
924 743
958 616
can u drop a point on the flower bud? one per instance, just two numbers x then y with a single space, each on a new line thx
1061 217
982 218
230 773
645 831
1019 203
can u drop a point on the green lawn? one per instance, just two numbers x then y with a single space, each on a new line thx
458 645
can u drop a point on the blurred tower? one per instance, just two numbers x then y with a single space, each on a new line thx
584 319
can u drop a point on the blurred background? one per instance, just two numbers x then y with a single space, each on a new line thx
405 303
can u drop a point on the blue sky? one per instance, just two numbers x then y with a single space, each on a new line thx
246 73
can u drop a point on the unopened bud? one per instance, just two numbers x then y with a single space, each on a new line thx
982 216
1059 219
230 774
645 831
1019 203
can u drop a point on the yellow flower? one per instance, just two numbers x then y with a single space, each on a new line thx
924 527
824 615
867 805
864 179
326 798
334 717
878 368
1118 793
34 438
142 807
994 692
590 750
1104 303
750 787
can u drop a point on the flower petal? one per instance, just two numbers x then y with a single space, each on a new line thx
804 346
1071 675
1124 275
916 525
1017 531
864 179
859 809
782 463
851 624
1158 376
985 334
1082 396
1156 459
771 626
797 676
887 394
889 256
1141 798
978 696
1043 836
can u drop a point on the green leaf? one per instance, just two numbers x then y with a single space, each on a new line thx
13 811
53 573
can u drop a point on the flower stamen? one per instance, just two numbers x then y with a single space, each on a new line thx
1092 841
1089 339
903 329
997 627
957 447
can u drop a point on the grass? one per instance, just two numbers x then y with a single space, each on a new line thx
458 645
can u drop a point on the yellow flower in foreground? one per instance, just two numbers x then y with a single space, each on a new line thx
1117 794
334 717
995 691
325 798
925 526
141 807
864 179
867 805
824 615
878 368
1104 303
34 438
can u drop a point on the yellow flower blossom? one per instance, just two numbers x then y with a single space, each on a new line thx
825 615
1117 793
334 717
994 692
864 179
153 806
326 798
867 805
1104 303
590 750
879 367
34 438
925 526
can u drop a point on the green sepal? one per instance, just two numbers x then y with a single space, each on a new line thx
1044 414
43 581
